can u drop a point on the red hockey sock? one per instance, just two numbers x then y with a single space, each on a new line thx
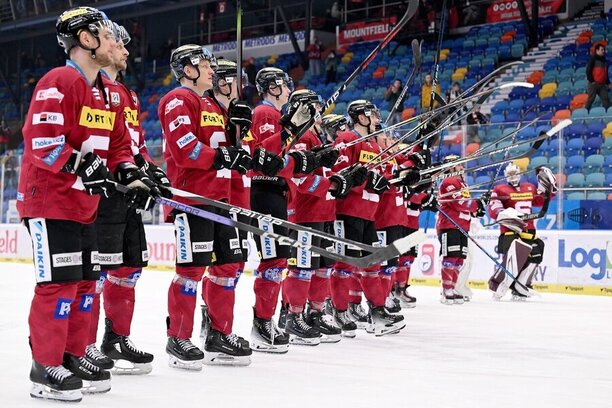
80 318
340 285
48 321
267 286
355 289
119 298
295 288
220 296
319 289
372 288
401 276
387 277
182 295
450 271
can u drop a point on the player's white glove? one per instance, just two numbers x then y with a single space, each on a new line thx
511 219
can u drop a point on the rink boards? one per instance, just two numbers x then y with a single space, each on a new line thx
578 262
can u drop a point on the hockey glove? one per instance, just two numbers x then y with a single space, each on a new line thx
429 203
327 155
240 114
481 210
421 159
376 183
547 182
305 161
233 158
143 190
348 178
410 176
267 162
155 173
96 177
511 219
299 114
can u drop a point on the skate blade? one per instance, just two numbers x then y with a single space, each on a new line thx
96 387
45 392
191 365
330 338
349 334
518 298
124 367
393 329
222 359
302 341
269 348
448 302
407 305
458 301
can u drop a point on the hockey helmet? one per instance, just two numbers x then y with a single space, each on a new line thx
70 23
306 96
332 124
270 78
361 106
189 54
450 158
511 172
121 34
226 70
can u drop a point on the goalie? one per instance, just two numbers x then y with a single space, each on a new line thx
522 250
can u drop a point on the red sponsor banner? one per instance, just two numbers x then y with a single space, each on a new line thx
508 10
366 31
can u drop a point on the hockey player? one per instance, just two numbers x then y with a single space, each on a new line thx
199 159
122 246
453 243
355 220
69 161
508 203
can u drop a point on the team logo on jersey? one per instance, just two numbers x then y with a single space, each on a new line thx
521 196
266 127
366 157
49 93
131 116
211 119
97 118
181 120
115 98
185 140
173 104
49 118
42 142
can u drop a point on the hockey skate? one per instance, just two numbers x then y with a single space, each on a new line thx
330 332
127 358
458 299
221 349
95 380
392 304
300 332
55 383
360 317
447 297
347 325
183 354
328 308
282 316
267 338
384 323
406 301
518 297
97 358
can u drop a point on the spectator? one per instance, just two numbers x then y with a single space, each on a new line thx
314 57
5 136
426 93
597 75
452 95
167 48
391 94
331 66
474 120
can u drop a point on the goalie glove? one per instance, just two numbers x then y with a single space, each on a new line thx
547 182
511 219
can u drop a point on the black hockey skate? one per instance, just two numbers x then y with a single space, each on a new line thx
282 316
97 358
221 349
447 297
404 297
347 325
267 338
518 297
385 323
300 332
183 354
330 332
328 309
458 299
128 359
95 380
360 317
392 304
55 383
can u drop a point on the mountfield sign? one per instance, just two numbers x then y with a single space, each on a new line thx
365 31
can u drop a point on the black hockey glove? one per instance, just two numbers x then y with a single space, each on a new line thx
481 210
267 162
240 114
232 158
327 155
96 177
348 178
429 203
305 161
299 114
410 176
421 159
143 190
376 183
155 173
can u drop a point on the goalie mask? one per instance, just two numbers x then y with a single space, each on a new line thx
512 175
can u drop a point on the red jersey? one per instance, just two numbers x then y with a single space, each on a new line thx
310 199
193 127
391 210
359 202
66 114
413 210
521 198
461 210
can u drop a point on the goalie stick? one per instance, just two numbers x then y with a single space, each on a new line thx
395 249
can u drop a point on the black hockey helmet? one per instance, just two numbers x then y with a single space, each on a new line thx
332 124
226 70
70 23
270 78
189 54
306 95
450 158
361 106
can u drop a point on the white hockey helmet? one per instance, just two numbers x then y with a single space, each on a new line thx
511 172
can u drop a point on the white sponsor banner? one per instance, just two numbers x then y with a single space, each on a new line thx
258 47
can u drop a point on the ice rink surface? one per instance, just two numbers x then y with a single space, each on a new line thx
554 351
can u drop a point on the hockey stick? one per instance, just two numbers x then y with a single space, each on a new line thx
232 209
475 186
413 5
238 63
495 261
393 250
416 52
